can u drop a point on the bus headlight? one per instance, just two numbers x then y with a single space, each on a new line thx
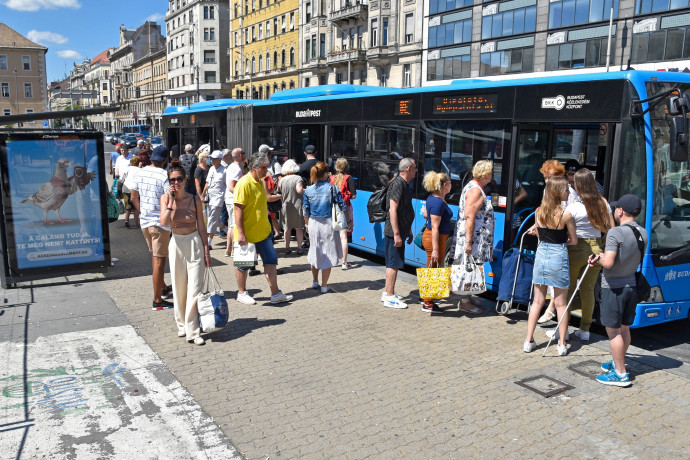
655 296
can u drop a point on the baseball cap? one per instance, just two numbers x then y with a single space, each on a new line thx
309 149
160 153
572 165
264 147
628 203
217 154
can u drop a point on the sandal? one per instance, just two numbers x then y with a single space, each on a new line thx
288 251
546 317
300 252
473 311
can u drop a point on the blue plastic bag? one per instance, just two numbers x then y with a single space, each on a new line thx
213 308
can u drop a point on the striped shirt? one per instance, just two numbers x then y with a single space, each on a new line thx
151 183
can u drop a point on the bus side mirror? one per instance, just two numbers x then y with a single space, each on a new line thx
678 139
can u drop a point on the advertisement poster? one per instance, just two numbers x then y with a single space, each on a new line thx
54 217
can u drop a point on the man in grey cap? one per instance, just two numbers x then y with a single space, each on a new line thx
620 259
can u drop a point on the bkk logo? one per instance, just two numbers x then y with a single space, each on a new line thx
557 102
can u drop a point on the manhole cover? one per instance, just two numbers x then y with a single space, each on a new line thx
544 386
589 368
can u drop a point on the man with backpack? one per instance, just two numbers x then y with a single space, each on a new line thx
188 161
398 226
622 254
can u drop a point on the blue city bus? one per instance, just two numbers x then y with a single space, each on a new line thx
617 124
141 130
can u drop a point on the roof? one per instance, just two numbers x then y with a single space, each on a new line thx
11 38
102 57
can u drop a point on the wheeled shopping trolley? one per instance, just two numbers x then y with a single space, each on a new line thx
515 286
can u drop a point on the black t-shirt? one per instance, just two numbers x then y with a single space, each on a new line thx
399 190
200 173
305 169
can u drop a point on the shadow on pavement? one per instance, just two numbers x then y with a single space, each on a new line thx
240 327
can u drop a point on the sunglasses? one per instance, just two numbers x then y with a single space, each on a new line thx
176 179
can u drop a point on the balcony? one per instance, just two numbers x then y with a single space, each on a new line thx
350 10
340 57
381 55
317 63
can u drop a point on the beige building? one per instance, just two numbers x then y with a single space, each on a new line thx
96 81
23 80
149 77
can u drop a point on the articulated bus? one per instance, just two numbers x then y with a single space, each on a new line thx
617 124
143 130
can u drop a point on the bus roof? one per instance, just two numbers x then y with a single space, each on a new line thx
346 91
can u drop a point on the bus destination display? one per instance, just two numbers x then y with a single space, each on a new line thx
403 107
478 103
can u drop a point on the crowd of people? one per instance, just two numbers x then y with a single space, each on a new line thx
180 207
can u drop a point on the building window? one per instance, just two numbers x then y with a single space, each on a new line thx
307 12
339 78
517 60
253 33
275 58
206 12
253 65
450 33
209 56
261 63
439 6
374 32
292 20
282 59
383 79
3 62
563 13
384 32
268 29
307 50
6 112
105 86
512 22
322 45
665 44
448 68
212 34
268 61
5 89
206 33
306 82
407 75
586 53
283 24
292 57
28 90
209 77
212 12
191 59
26 62
409 28
646 6
237 68
363 77
261 31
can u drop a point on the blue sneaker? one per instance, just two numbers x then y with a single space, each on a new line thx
608 366
611 378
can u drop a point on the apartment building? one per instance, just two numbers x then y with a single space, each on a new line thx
198 33
97 82
150 80
264 47
466 38
23 78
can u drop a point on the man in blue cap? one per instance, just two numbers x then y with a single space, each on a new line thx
618 285
152 183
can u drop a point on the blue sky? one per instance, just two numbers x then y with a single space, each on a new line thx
76 29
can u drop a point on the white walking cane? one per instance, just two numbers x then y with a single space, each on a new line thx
565 314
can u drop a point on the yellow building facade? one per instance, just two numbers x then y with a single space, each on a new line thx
264 47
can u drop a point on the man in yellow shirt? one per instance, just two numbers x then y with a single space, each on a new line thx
252 226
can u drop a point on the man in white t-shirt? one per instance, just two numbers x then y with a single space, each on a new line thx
150 184
215 188
233 174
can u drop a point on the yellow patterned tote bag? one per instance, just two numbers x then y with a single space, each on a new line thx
434 283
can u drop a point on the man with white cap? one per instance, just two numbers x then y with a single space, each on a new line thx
274 169
215 189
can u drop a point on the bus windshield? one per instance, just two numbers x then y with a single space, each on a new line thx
671 208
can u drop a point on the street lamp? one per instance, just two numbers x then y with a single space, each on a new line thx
349 56
251 88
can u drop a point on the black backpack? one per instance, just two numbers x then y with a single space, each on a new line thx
187 163
377 206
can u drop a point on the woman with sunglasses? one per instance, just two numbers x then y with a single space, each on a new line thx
188 251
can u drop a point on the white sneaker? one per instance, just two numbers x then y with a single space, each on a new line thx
529 347
280 297
181 333
581 335
199 341
315 285
551 332
245 298
325 289
384 294
394 302
562 350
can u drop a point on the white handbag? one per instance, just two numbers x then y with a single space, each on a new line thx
244 256
467 276
338 219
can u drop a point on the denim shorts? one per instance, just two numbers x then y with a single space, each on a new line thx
265 249
551 265
395 256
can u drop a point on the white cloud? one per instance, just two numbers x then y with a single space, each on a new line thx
36 5
70 54
45 36
155 17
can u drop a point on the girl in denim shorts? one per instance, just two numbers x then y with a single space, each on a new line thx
556 230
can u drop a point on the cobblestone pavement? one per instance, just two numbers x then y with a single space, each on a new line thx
339 376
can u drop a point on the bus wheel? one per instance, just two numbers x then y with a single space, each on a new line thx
448 257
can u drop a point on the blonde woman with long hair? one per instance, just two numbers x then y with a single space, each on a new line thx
556 230
346 185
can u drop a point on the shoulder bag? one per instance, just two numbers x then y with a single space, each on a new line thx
644 290
467 276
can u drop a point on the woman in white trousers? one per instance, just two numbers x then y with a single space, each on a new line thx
188 252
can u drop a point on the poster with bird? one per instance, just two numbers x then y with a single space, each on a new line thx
55 215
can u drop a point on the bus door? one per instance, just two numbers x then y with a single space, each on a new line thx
303 135
532 146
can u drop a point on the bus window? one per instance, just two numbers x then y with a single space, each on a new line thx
344 142
577 144
629 170
275 137
385 147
